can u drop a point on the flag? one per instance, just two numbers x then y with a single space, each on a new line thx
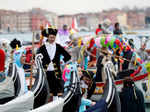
74 26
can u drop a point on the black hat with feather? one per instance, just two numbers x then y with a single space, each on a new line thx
49 31
14 43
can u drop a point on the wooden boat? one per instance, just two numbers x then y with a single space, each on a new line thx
109 95
9 88
29 100
57 105
141 81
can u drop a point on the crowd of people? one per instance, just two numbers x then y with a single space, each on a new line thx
53 48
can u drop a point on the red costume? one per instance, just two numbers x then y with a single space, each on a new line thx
92 50
2 60
98 30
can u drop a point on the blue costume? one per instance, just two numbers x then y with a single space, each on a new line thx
84 102
17 56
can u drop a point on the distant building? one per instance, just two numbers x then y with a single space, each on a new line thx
64 19
122 19
24 22
93 21
13 21
41 17
8 20
136 19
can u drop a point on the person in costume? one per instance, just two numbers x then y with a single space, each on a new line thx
99 30
63 36
142 53
89 80
2 64
92 48
51 52
104 56
84 100
117 30
19 59
2 60
132 99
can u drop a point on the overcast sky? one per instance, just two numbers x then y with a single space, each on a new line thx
71 6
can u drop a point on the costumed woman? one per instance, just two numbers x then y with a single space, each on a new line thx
51 52
19 60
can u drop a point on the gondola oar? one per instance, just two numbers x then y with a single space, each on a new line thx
31 73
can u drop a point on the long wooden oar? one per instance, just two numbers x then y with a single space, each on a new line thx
31 74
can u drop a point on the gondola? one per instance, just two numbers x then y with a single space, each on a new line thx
7 89
29 100
110 97
141 80
57 105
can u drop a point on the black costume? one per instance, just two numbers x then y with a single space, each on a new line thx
125 66
132 99
117 32
53 76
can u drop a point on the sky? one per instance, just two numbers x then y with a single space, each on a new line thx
71 6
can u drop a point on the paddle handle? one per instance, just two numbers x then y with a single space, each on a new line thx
31 74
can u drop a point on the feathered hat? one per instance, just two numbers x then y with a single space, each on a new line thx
15 43
49 31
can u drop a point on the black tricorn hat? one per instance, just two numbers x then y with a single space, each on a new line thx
15 42
49 31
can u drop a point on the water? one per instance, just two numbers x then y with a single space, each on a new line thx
20 36
28 36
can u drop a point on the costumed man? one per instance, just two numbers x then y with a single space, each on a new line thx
142 53
51 52
102 59
117 30
19 59
99 30
129 67
92 49
63 36
132 99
